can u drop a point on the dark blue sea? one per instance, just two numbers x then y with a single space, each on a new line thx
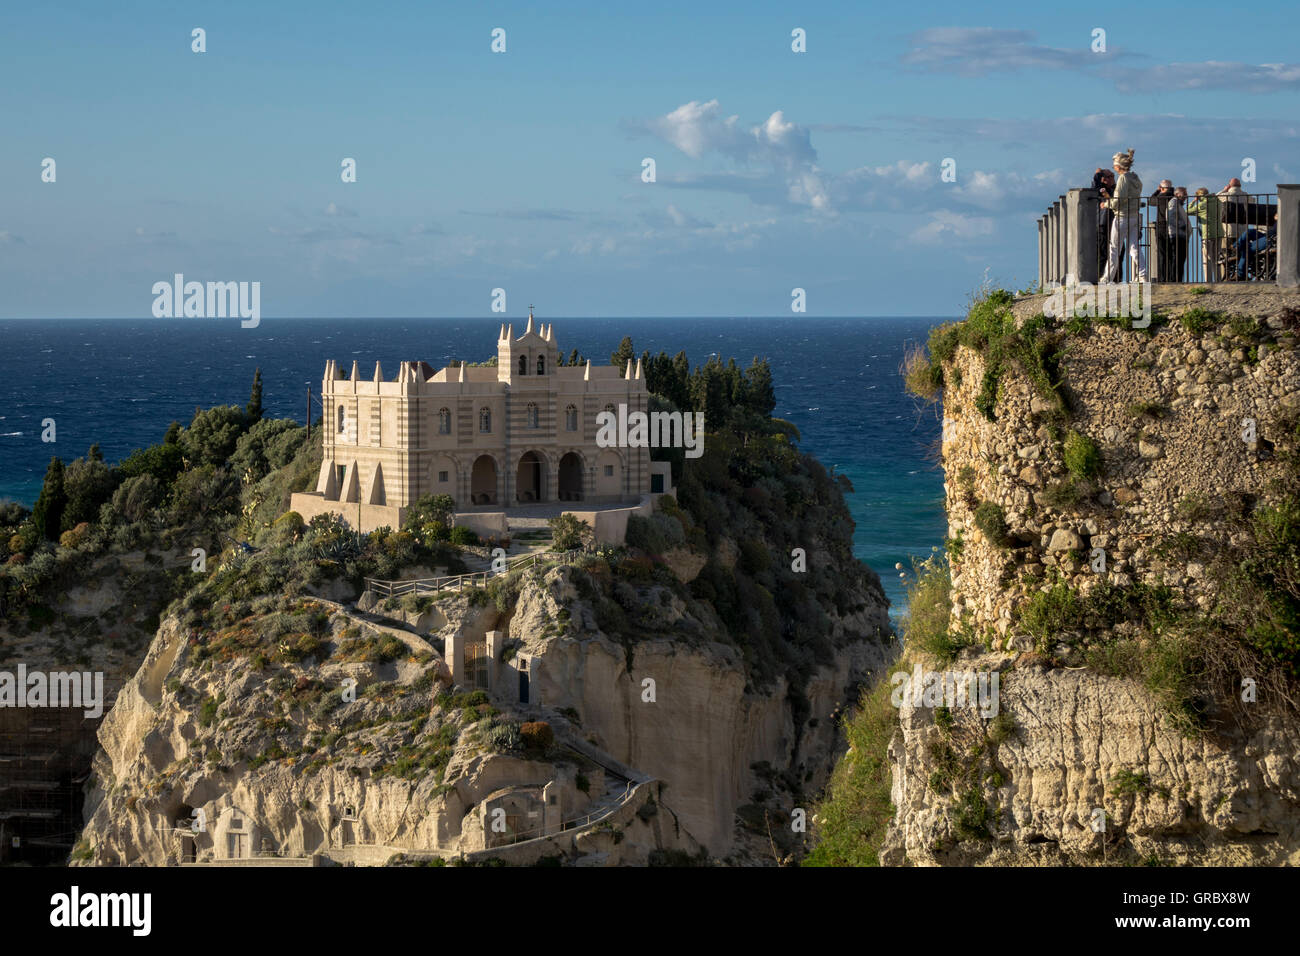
120 382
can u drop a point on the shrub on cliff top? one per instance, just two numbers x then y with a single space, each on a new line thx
1199 321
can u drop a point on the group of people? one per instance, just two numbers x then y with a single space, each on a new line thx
1120 224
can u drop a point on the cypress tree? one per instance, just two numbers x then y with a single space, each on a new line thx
624 355
47 513
254 408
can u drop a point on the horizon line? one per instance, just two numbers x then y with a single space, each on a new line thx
463 318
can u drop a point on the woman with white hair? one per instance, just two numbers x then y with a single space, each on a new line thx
1126 228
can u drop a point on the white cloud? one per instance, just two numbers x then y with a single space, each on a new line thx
947 225
781 148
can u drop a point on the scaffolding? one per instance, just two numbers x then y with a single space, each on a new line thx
43 764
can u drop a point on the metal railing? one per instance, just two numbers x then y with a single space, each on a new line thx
1241 246
577 823
1230 237
457 582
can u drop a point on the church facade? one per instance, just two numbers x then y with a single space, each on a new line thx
493 438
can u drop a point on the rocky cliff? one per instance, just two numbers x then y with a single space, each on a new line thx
1124 523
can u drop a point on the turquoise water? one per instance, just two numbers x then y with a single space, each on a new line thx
120 382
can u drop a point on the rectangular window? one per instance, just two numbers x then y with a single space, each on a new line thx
442 477
609 471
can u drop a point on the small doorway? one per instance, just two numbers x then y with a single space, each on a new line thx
237 844
188 854
523 682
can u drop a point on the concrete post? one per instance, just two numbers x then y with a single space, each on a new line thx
1047 247
454 651
1288 235
1054 250
552 809
1062 238
1042 282
1049 229
1065 241
495 641
1081 251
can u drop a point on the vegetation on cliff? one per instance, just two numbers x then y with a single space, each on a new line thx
1208 621
1191 660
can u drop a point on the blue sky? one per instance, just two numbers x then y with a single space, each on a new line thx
522 170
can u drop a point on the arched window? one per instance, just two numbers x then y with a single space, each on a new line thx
485 419
342 420
532 414
444 421
523 365
571 418
541 365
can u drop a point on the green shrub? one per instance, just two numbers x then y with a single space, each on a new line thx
208 711
504 738
1047 613
569 533
992 521
1082 456
1198 321
655 534
462 536
1063 495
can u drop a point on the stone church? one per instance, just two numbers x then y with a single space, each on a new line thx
519 433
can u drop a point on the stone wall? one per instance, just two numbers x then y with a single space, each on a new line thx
1167 411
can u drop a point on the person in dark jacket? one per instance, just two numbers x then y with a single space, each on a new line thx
1159 201
1180 231
1103 180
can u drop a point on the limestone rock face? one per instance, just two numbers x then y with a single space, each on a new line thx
1084 743
680 708
1073 746
396 768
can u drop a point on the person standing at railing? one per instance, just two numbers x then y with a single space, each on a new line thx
1180 230
1103 180
1209 212
1127 226
1159 202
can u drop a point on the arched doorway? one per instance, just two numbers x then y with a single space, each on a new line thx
483 481
530 478
571 477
